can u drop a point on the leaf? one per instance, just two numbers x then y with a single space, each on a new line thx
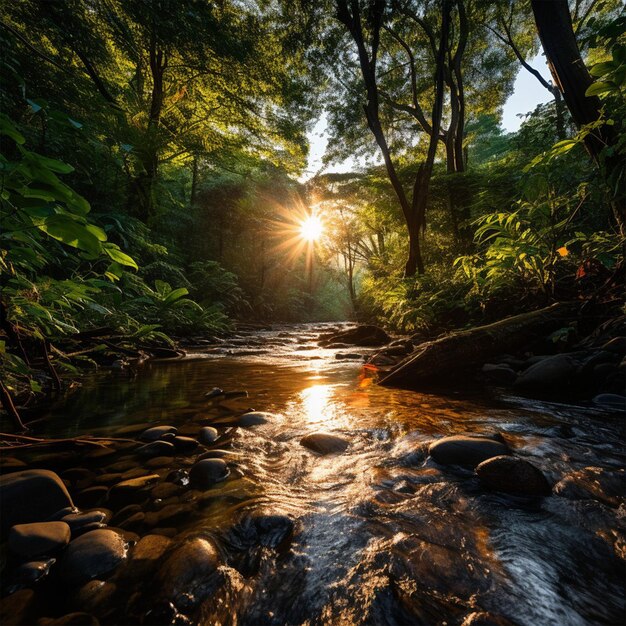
34 385
120 257
7 128
71 233
174 295
599 88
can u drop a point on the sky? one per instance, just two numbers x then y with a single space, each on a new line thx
527 94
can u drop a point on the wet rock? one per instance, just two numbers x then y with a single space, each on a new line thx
94 595
550 375
208 435
465 450
125 513
185 444
159 461
169 515
17 608
594 483
157 448
39 538
136 472
364 335
71 619
165 490
122 466
78 476
134 523
78 521
145 556
273 529
31 496
108 479
617 345
156 432
324 443
513 475
611 402
92 555
253 418
217 454
32 571
190 573
348 356
131 491
499 374
92 496
207 472
178 477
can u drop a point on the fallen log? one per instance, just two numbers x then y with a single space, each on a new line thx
435 361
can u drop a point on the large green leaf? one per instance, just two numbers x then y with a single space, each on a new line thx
71 233
120 257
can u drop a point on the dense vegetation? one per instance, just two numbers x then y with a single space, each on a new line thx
150 155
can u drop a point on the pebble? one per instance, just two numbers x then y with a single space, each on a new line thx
513 475
157 448
39 538
208 435
254 418
92 496
16 608
465 450
207 472
324 443
156 432
131 491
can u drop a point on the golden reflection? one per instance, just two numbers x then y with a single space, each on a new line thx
315 401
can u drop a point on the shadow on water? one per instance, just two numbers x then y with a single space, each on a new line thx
382 534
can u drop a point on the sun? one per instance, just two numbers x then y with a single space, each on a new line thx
311 228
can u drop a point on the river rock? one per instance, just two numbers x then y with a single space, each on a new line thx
169 515
78 521
185 444
207 472
464 450
32 571
92 496
156 432
512 475
190 573
217 453
208 435
617 345
611 402
36 539
145 556
131 491
272 529
499 374
363 335
31 496
16 608
94 595
91 555
253 418
11 464
550 375
594 483
157 448
324 443
348 356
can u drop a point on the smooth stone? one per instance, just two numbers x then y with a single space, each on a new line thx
108 479
78 476
134 523
122 466
145 556
131 491
156 432
71 619
189 574
76 521
464 450
31 496
92 496
362 335
324 443
159 461
254 418
499 374
94 594
165 490
272 529
169 515
92 555
217 453
348 356
208 435
207 472
549 375
157 448
594 483
125 513
185 444
136 472
11 464
32 571
512 475
16 608
611 401
39 538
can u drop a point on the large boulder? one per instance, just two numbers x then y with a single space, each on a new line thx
513 475
549 376
364 335
205 473
465 450
324 443
91 555
31 496
38 538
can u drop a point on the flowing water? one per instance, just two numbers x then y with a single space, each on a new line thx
383 535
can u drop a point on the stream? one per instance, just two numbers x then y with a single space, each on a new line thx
381 534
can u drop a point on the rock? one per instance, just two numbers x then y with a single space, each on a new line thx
145 556
92 555
134 523
94 594
208 435
71 619
125 513
156 432
185 444
165 490
78 521
159 461
273 529
131 491
17 608
352 356
324 443
11 464
364 335
217 454
499 374
157 448
215 393
513 475
616 345
138 472
169 515
39 538
31 496
611 402
594 483
190 573
93 496
207 472
32 571
550 375
253 418
78 477
108 479
464 450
